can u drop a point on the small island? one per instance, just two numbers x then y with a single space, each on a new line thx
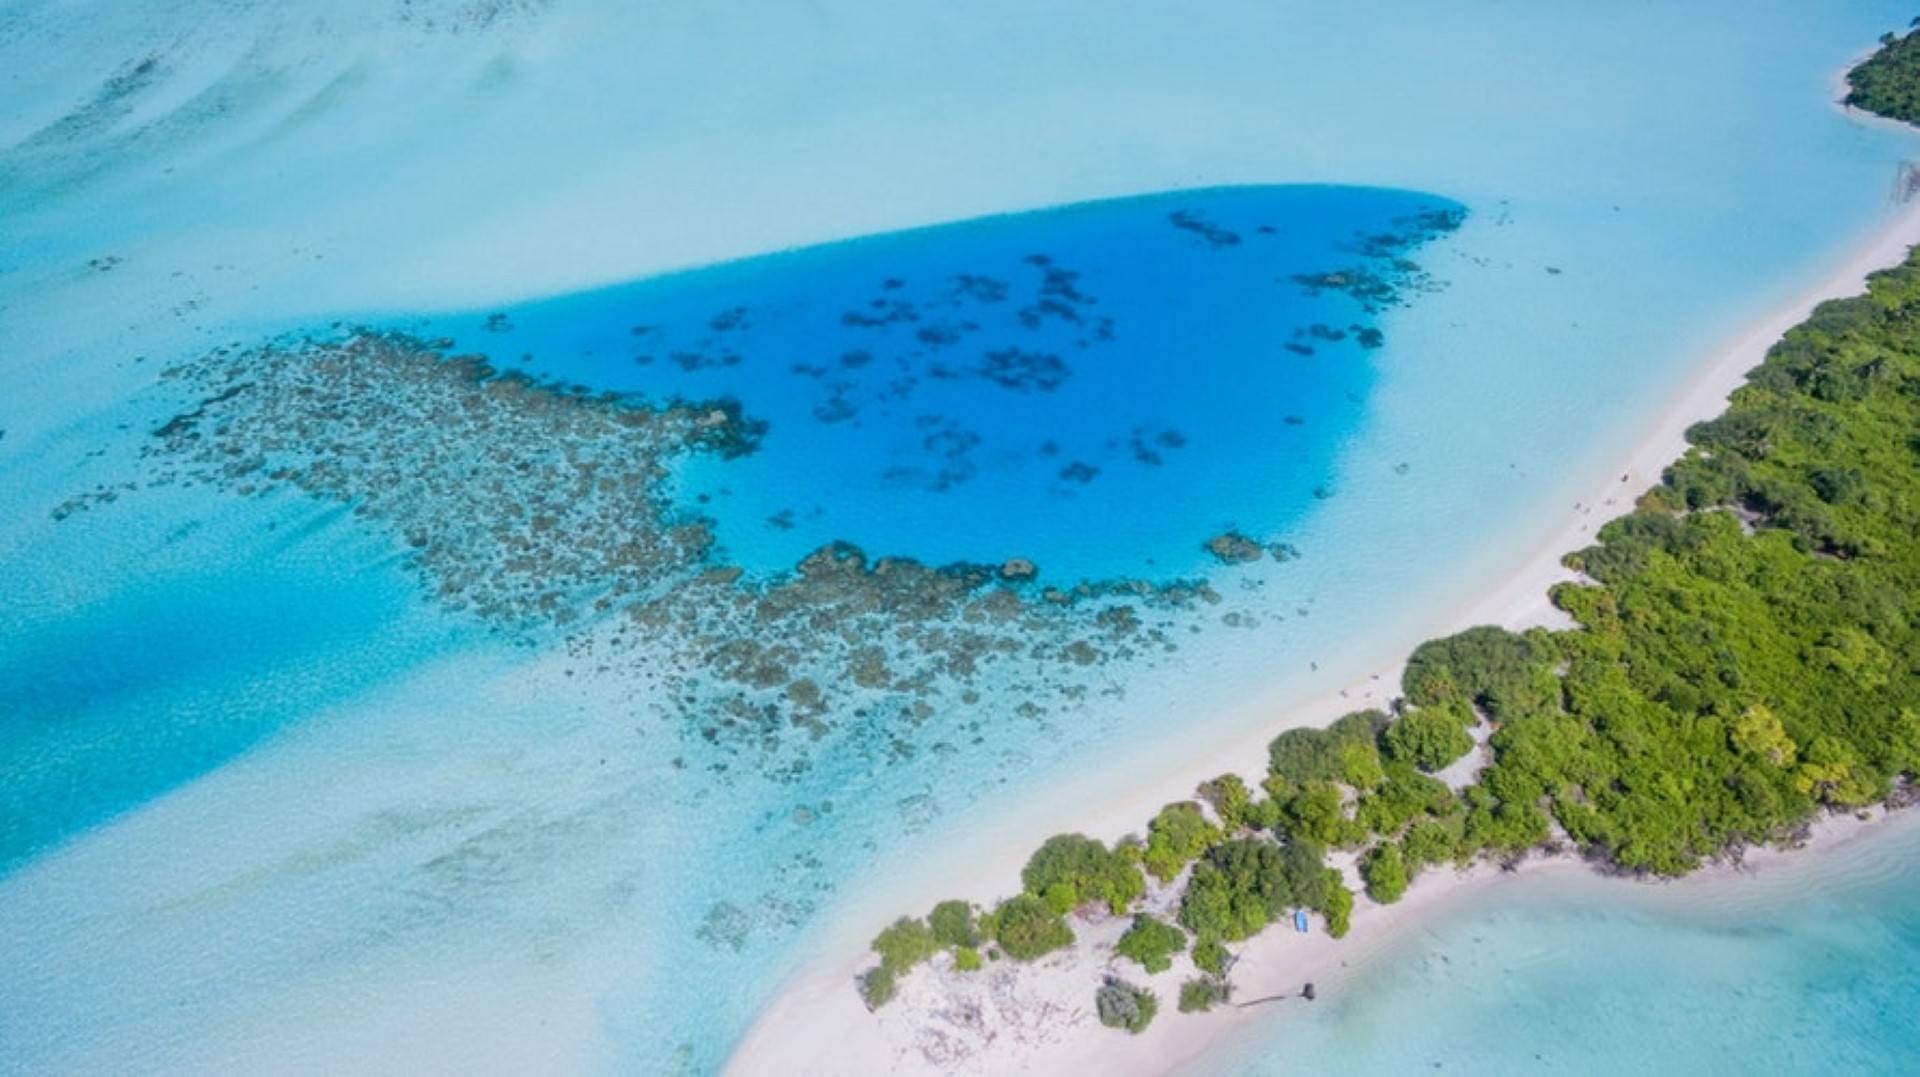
1743 663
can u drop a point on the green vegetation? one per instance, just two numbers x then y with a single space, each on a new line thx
1122 1005
1028 928
1385 873
1152 943
1431 841
1203 993
966 959
1429 738
1072 868
1244 884
905 944
1236 806
1299 756
1209 955
1405 795
877 987
1747 655
1889 81
1177 835
1337 906
952 924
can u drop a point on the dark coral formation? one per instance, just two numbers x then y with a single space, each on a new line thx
1384 275
1211 234
1230 547
558 507
543 510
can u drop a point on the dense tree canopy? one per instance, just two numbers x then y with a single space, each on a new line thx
1429 738
1889 82
1071 868
1177 835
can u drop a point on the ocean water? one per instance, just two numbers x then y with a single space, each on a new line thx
272 804
1806 968
1101 387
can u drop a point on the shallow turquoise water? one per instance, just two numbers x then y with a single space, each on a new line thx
1812 969
265 803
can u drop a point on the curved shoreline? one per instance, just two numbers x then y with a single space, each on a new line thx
817 1024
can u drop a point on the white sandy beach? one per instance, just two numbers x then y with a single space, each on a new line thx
1039 1020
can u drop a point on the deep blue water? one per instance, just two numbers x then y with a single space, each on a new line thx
1098 387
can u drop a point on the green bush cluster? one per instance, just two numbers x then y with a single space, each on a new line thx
1203 993
1888 82
904 944
952 925
1152 943
877 987
1175 837
1072 868
1122 1005
1385 873
1027 928
1244 884
1210 955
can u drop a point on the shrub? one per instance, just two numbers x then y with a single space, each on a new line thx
1209 955
966 959
1152 943
1231 800
1241 885
1202 993
1318 813
1405 795
1429 738
1026 928
905 944
1385 873
1305 755
1075 868
1122 1005
1360 765
1429 842
1337 905
1177 835
877 987
1489 666
952 924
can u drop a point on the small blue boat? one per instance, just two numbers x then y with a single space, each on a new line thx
1300 920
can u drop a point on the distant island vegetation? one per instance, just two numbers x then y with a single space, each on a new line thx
1888 82
1745 658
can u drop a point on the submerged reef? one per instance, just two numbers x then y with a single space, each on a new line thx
523 502
1384 275
548 511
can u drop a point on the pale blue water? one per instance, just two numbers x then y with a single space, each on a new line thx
1813 972
262 800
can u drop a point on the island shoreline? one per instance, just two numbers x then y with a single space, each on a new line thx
815 1023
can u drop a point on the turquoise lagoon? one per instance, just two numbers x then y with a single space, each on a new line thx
268 806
